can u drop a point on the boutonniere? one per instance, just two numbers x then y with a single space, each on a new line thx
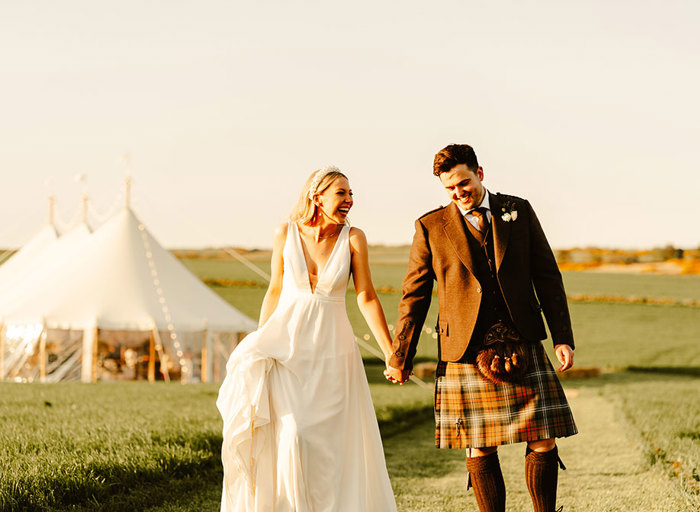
509 212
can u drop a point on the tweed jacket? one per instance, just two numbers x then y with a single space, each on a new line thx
526 271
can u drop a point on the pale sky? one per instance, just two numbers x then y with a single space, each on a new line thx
588 109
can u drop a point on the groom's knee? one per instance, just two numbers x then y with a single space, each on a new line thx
481 452
543 445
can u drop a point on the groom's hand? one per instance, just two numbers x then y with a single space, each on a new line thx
396 375
565 354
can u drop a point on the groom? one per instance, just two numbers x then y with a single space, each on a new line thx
493 266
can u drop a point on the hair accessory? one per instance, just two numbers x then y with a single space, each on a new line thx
320 174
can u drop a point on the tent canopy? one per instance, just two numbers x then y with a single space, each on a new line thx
30 252
120 278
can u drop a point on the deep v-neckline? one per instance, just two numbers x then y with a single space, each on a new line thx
306 265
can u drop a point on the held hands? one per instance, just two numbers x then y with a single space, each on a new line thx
396 375
565 355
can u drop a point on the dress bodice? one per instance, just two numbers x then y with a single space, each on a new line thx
332 278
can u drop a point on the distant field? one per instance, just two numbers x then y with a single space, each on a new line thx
389 268
608 335
633 285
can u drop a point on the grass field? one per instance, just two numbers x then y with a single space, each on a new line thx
155 447
603 330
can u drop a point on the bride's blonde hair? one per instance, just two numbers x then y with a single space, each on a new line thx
305 210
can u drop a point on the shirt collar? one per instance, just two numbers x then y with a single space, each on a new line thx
484 204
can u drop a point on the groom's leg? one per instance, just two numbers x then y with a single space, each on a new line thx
487 480
541 473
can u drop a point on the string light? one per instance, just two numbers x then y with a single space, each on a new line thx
164 307
426 330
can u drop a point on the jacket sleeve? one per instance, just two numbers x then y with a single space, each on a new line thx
416 293
548 283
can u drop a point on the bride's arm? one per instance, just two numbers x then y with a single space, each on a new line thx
367 299
272 296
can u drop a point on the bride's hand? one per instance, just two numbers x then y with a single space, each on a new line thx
395 375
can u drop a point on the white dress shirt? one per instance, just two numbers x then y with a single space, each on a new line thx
471 218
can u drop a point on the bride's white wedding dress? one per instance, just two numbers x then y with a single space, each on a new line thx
300 432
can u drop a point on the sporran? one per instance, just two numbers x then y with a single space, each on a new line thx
503 359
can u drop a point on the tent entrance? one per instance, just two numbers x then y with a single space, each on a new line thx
34 354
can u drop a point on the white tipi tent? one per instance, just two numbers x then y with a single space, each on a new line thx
123 280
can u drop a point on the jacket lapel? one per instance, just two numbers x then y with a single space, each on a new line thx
501 228
454 229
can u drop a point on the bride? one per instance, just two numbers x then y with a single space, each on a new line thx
300 433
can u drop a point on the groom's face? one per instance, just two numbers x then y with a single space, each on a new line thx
464 186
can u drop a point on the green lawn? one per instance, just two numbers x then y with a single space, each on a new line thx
128 445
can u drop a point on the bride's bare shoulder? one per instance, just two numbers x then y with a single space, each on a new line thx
280 235
358 240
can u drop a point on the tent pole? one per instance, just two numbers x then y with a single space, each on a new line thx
127 192
215 344
204 370
87 353
52 204
2 351
95 342
152 359
42 355
161 354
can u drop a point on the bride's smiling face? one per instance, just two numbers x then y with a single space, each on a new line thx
336 200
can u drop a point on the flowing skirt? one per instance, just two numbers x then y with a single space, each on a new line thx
300 432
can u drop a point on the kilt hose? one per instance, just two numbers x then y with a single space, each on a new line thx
473 412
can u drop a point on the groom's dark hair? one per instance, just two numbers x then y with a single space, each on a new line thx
452 155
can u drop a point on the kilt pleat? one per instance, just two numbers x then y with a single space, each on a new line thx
473 412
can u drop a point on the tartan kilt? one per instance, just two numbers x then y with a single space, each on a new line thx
473 412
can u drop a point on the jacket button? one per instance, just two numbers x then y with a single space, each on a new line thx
402 337
478 290
399 353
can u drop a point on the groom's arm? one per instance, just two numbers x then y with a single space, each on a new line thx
416 292
548 283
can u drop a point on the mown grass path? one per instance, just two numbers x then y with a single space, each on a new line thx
606 469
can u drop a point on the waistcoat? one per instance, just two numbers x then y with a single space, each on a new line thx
493 306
